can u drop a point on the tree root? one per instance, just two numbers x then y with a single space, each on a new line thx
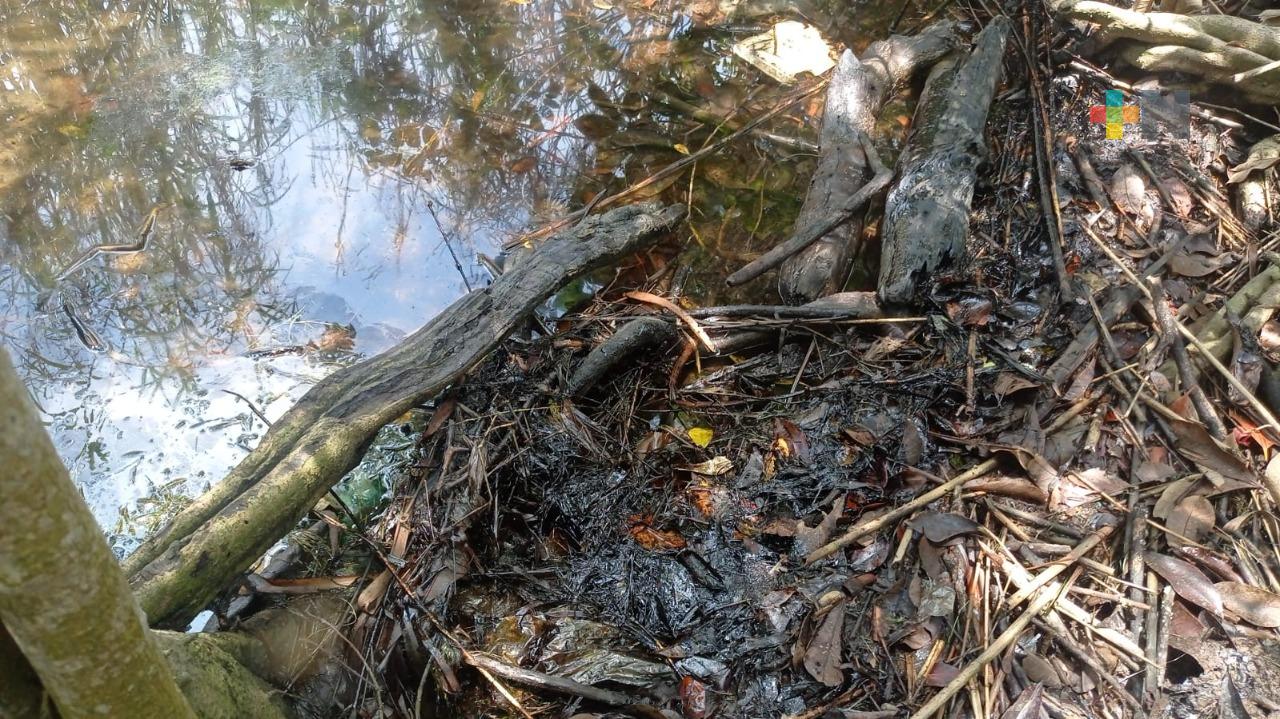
926 217
1218 48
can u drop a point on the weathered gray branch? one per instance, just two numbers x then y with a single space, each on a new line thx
927 211
857 91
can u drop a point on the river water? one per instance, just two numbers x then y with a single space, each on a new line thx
323 177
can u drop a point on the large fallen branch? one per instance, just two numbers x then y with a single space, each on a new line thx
926 217
179 570
857 91
1219 48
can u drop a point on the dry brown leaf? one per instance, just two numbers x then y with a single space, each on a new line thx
1253 604
1262 156
1080 383
1197 444
1078 488
1014 487
1181 196
1191 518
912 443
1038 669
1190 264
808 538
1172 494
1129 189
941 675
1187 581
1009 382
652 538
822 657
938 527
1028 705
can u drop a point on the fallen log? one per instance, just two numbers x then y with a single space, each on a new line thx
175 573
857 91
926 217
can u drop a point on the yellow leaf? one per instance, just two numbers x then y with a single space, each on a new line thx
72 131
701 436
477 99
681 148
601 5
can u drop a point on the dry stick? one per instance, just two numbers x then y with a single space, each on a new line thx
1019 576
1046 173
1163 626
815 231
1151 680
1060 565
541 680
1085 658
674 168
1272 483
993 650
1179 350
673 308
875 525
1092 183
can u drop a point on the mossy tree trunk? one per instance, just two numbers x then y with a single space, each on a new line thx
72 636
63 598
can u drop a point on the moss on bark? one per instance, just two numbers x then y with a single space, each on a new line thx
214 673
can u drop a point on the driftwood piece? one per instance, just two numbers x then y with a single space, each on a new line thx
927 211
857 91
179 570
644 333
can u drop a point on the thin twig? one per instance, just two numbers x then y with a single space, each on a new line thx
252 407
874 525
1060 565
993 650
666 304
815 231
448 243
1168 327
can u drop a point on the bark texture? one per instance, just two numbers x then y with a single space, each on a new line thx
318 441
855 96
63 598
927 212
